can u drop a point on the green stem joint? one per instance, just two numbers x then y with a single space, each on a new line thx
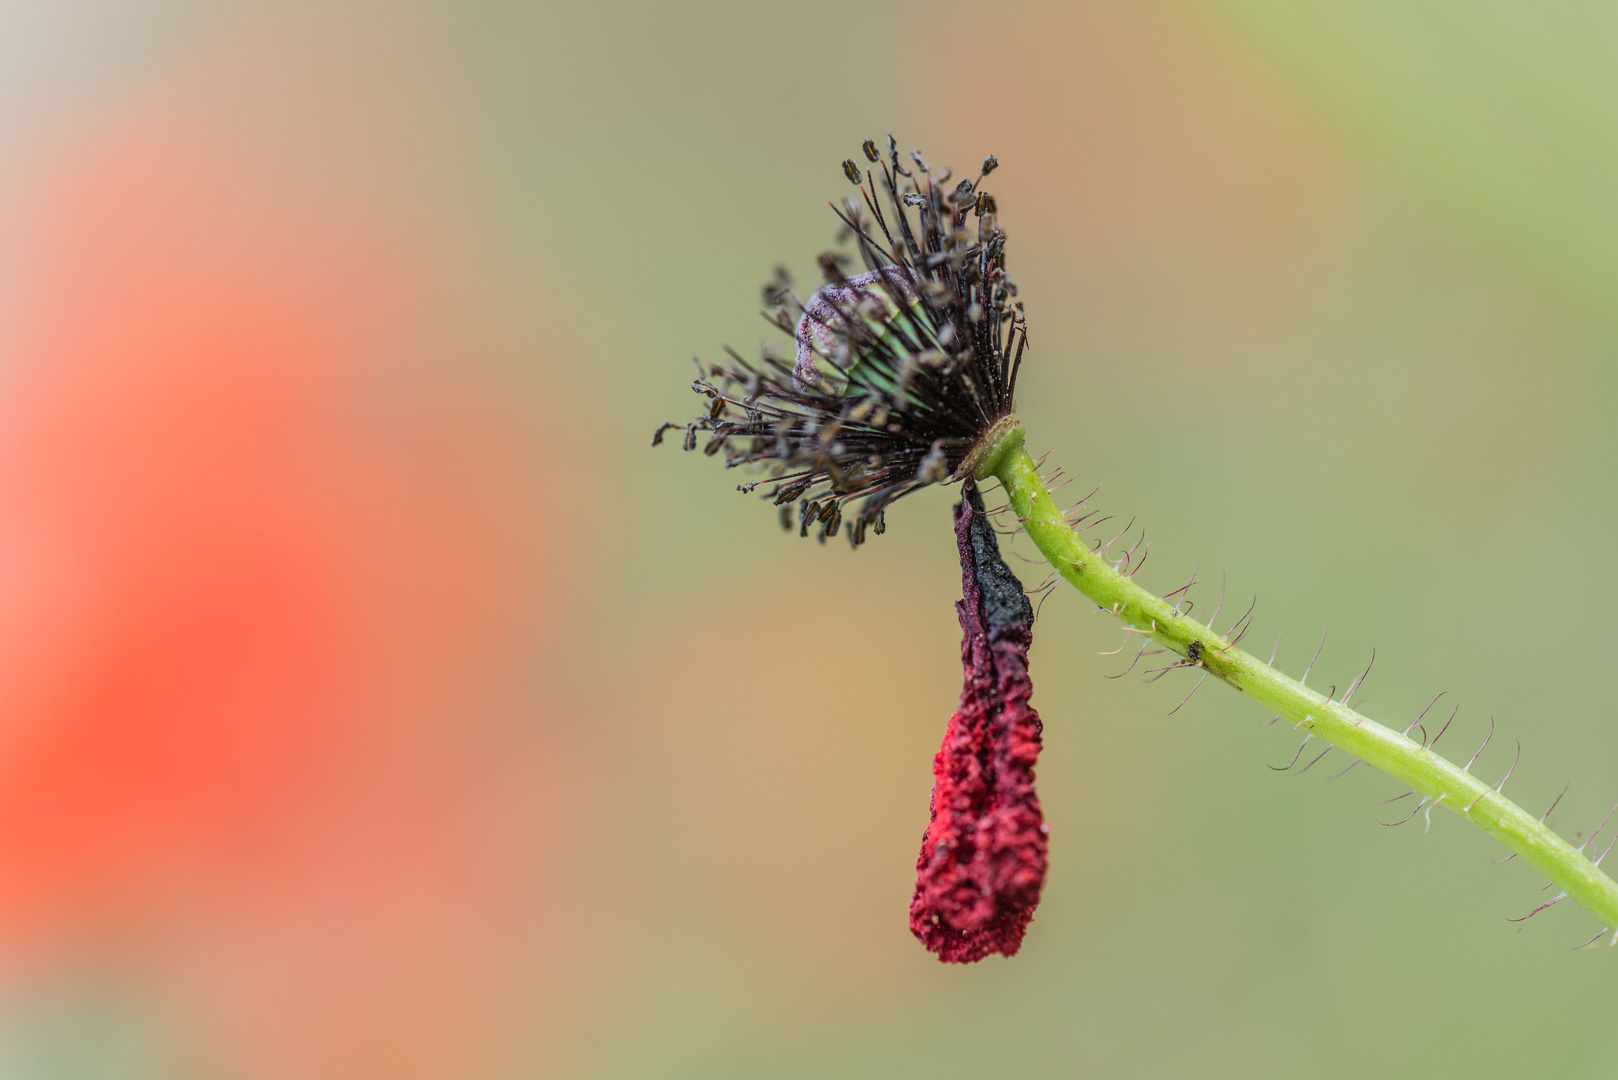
1439 782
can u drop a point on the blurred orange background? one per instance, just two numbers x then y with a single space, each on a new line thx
377 704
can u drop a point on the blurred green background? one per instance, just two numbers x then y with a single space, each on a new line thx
1321 294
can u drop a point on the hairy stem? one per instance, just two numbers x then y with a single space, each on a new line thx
1437 780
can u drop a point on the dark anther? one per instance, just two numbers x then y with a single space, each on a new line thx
852 171
869 146
778 290
893 156
831 267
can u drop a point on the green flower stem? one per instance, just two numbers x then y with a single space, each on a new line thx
1439 781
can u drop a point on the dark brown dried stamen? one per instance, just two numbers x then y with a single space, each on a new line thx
900 370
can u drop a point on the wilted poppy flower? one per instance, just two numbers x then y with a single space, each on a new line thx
899 371
982 860
902 376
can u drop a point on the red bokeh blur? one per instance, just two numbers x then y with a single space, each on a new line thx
275 582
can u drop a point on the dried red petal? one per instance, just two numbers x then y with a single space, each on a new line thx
982 861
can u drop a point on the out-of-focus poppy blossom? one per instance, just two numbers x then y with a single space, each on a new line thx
273 578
